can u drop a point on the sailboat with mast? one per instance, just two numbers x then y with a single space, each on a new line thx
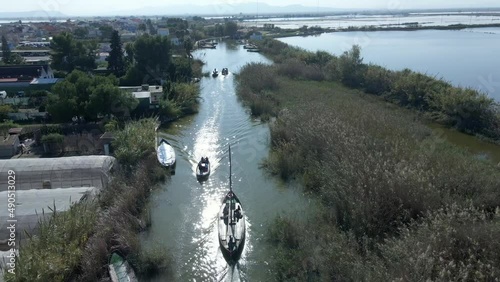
231 221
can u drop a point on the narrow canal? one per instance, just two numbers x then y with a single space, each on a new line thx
184 213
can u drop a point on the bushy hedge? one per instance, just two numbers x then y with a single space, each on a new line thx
135 141
465 109
53 138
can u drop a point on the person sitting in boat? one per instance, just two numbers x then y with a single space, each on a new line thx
225 214
237 213
202 166
231 243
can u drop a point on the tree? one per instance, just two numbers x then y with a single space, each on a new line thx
88 96
106 31
62 105
81 32
69 54
115 60
188 46
4 112
5 50
107 99
152 58
230 29
16 59
151 28
129 59
181 70
218 30
351 67
142 27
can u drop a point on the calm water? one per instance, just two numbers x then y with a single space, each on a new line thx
184 213
344 21
465 58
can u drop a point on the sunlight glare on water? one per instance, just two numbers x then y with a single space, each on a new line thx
184 213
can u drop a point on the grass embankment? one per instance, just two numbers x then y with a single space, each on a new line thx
398 203
467 110
75 245
181 98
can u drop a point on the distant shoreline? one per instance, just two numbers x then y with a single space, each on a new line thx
295 32
262 13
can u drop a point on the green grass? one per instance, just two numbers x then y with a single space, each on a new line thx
386 182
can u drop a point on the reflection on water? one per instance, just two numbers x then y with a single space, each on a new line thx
184 214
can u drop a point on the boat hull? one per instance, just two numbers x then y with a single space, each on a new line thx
202 175
120 270
166 154
231 227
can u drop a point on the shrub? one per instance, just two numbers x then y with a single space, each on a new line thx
451 244
53 138
351 67
55 251
135 141
258 77
378 80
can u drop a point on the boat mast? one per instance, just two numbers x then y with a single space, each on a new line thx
230 172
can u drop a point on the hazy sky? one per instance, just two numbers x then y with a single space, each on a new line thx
86 7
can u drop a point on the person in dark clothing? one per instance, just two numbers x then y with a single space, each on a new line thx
237 213
232 243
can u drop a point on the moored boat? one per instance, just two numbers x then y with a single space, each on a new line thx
166 154
215 73
120 270
250 46
225 71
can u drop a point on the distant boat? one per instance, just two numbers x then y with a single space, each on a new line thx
166 154
253 50
203 169
225 71
250 46
231 224
215 73
120 270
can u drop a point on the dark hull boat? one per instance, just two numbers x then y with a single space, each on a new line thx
225 71
203 169
231 224
231 227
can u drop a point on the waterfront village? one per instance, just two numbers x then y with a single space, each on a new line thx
66 86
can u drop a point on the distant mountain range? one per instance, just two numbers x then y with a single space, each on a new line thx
32 15
220 10
215 10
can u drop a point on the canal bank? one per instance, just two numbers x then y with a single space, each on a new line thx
393 192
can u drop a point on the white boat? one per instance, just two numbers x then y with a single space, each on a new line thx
231 224
166 154
120 270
